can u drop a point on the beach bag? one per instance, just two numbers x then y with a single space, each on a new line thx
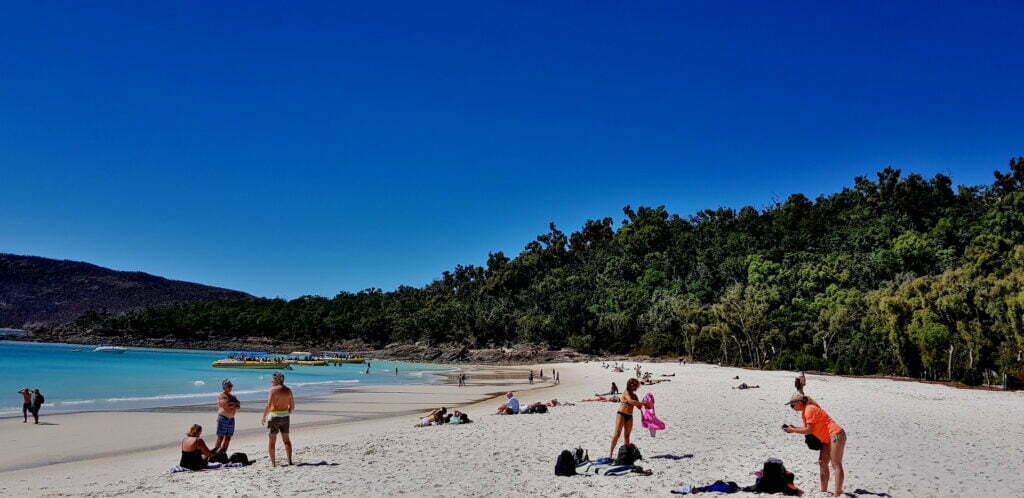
774 479
565 465
39 399
580 456
239 457
812 442
540 409
628 454
219 457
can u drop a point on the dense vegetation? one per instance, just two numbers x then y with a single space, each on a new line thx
38 291
897 275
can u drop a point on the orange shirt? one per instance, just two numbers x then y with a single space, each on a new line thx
823 425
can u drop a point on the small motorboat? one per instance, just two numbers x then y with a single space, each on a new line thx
109 348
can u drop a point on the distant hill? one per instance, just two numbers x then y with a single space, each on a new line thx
38 291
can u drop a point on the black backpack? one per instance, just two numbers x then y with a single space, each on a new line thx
39 399
628 453
566 464
774 479
219 457
239 457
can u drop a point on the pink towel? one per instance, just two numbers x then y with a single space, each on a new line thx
648 418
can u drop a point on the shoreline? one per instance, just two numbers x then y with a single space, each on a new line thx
322 410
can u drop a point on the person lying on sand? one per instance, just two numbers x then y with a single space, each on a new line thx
745 386
435 417
612 399
194 452
668 375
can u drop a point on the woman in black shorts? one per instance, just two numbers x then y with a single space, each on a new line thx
624 417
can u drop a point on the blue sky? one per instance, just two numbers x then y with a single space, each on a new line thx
289 149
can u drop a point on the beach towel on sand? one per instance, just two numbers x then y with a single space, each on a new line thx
212 466
648 418
603 469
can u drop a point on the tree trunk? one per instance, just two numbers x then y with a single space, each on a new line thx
949 364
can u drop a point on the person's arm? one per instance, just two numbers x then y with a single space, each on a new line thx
266 410
799 430
203 448
222 401
291 403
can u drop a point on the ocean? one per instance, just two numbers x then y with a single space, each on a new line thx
146 378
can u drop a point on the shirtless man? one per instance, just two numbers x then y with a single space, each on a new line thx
227 406
280 406
26 406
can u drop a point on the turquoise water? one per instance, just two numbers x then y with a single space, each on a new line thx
146 378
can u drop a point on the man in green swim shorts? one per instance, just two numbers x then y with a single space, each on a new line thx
280 406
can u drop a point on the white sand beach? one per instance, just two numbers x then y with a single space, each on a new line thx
905 439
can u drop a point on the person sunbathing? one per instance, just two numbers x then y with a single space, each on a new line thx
745 386
613 399
436 417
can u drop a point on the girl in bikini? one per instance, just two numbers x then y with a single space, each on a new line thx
624 417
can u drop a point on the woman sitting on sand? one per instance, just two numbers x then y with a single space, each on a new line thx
194 452
624 417
436 417
831 435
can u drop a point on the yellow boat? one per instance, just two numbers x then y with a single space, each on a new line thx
242 359
305 359
341 357
233 363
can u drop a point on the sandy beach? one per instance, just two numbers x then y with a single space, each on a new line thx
905 439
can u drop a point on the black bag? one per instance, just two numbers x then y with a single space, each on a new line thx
219 457
39 400
580 456
812 442
774 479
239 457
628 453
540 409
565 465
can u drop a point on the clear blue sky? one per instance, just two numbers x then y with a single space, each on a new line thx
307 148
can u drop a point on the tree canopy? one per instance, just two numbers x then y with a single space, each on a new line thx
898 274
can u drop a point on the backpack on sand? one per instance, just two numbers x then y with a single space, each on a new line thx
774 479
628 454
566 464
239 457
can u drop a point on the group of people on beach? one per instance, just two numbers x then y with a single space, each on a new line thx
32 401
196 455
821 431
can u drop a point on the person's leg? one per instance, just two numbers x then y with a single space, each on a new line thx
216 446
25 408
627 429
287 446
824 456
35 412
615 437
225 444
838 448
271 450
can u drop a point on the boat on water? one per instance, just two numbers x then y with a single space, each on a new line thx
342 357
109 348
305 358
251 359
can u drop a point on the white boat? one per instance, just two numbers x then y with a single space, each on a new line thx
109 348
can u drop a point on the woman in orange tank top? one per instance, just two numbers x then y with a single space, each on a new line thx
831 435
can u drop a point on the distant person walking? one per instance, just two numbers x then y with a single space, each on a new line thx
831 435
37 403
557 379
280 405
227 406
396 371
530 377
462 379
26 405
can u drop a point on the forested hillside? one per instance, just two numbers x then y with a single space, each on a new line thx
895 275
38 291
